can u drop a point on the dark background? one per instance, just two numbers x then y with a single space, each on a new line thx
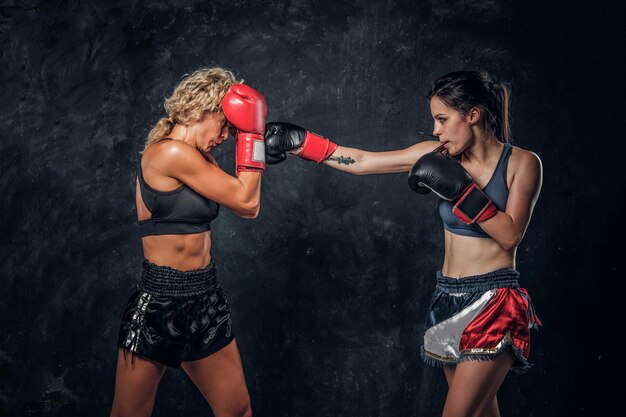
330 285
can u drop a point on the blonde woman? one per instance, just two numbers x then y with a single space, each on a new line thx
177 314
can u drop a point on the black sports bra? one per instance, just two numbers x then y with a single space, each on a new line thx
178 212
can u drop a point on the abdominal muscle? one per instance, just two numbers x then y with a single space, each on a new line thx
467 256
182 252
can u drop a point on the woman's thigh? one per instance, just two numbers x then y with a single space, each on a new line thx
136 383
473 386
220 379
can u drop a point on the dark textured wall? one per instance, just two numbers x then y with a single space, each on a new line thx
329 286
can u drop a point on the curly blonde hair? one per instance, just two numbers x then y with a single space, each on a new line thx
197 93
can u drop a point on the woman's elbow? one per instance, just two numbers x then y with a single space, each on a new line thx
510 242
254 213
250 210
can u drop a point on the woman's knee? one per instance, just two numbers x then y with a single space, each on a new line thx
242 410
132 408
246 409
247 412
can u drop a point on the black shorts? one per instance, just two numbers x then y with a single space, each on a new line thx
174 316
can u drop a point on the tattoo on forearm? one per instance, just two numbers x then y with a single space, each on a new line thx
342 159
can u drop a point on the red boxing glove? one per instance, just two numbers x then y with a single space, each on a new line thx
245 109
474 205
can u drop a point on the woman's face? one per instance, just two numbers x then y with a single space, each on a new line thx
210 131
453 129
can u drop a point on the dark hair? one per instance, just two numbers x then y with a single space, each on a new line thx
463 90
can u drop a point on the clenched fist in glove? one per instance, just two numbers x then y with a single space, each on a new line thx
447 178
245 109
282 138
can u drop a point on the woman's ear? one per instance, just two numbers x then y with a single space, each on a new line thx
473 116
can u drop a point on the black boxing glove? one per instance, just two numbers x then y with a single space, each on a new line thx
447 178
282 138
273 159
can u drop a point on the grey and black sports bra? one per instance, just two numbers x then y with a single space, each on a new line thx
496 189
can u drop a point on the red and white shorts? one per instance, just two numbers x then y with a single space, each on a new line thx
477 318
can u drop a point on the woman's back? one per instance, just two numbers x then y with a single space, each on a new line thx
184 251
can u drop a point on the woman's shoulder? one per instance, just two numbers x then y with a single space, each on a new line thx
169 151
173 146
524 162
170 157
521 156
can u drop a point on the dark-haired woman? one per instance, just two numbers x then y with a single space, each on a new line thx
479 320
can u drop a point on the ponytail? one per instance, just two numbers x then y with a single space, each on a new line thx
501 125
162 129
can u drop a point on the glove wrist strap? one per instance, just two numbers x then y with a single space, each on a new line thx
249 153
474 205
316 148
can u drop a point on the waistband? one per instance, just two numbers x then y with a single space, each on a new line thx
165 281
501 278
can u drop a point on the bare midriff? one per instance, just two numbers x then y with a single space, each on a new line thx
467 256
182 252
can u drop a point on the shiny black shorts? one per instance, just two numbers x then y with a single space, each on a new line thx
174 316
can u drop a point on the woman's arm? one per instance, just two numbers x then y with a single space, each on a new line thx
359 162
283 138
241 194
508 227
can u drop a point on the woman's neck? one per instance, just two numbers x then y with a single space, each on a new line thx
182 133
486 147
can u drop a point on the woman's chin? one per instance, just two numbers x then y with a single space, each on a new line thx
209 147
